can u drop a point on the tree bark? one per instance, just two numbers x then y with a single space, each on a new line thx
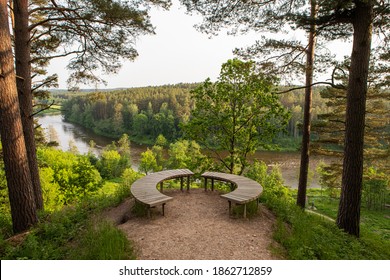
21 196
24 84
348 217
305 153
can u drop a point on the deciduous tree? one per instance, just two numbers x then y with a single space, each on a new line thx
238 113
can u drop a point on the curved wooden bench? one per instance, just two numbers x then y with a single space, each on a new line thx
144 190
246 189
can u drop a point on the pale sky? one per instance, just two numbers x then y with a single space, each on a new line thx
176 53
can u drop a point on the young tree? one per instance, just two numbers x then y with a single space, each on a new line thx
238 113
187 154
20 189
148 162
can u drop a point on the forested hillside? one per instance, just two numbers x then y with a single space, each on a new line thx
145 113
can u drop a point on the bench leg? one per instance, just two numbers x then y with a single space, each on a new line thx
212 184
230 207
188 183
149 215
163 209
244 210
181 183
205 184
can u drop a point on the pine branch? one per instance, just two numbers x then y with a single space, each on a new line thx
43 109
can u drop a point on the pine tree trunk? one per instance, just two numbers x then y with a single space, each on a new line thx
348 217
17 172
305 153
24 84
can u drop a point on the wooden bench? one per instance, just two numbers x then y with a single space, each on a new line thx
246 190
144 190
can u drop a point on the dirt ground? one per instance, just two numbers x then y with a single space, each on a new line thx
196 226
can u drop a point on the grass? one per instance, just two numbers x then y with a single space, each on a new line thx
53 110
103 242
371 221
308 236
288 144
251 209
69 234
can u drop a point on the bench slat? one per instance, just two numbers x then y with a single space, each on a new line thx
145 190
246 190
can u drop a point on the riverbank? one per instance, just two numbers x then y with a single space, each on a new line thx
287 161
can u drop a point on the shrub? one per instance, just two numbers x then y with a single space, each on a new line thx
66 177
112 164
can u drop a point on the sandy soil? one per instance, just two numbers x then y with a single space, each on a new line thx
196 226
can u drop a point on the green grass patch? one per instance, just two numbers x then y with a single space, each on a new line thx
251 209
308 236
372 221
139 209
103 242
288 144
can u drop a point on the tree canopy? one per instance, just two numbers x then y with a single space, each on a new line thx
238 113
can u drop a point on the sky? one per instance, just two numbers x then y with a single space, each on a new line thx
176 53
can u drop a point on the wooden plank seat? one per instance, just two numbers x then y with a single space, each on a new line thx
246 190
144 190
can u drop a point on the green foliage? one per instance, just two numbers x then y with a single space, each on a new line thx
376 185
50 190
102 32
66 177
330 178
139 209
148 162
238 113
161 141
308 236
4 200
67 233
49 239
103 242
111 164
251 209
97 112
124 147
129 176
272 182
187 154
312 237
143 113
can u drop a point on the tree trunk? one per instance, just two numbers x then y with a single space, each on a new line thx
305 153
24 84
348 217
19 183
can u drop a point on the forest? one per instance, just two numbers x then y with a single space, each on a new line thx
52 201
145 113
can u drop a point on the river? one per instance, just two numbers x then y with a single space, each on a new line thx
80 136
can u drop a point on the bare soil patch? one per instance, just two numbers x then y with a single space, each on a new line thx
196 226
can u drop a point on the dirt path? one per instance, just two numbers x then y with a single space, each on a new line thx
197 226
